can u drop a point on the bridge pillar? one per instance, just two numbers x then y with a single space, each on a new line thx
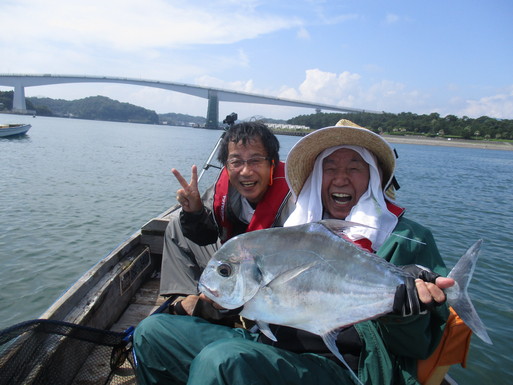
212 110
18 102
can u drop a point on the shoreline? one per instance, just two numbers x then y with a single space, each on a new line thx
481 144
424 141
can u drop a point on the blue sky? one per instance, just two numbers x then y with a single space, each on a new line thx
451 57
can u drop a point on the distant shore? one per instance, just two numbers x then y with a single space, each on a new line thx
422 140
484 144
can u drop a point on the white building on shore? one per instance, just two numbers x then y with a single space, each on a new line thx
285 126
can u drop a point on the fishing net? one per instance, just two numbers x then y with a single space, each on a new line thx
59 353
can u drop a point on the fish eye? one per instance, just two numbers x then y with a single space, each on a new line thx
224 270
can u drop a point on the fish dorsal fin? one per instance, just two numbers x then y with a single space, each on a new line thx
339 226
290 274
264 328
330 339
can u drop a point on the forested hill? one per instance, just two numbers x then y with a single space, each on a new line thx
407 123
100 108
94 107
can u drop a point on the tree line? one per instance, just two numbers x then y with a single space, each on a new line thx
408 123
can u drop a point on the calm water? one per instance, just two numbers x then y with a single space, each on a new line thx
72 190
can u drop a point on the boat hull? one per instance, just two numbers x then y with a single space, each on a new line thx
14 129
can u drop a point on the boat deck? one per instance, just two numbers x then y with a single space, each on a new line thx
143 304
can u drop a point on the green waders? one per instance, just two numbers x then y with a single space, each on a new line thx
188 350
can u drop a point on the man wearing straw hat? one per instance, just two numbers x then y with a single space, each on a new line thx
337 172
343 172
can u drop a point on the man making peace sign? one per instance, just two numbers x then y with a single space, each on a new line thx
250 194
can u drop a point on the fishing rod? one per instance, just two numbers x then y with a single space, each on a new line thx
230 121
208 163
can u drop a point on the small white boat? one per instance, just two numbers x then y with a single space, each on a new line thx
13 129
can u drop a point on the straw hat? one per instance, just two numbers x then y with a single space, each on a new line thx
301 158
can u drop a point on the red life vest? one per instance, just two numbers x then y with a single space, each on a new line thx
266 210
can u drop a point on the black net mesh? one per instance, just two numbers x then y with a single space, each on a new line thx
55 353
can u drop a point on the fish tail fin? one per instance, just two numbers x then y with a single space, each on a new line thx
330 341
457 295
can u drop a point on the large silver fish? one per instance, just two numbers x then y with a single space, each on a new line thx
309 278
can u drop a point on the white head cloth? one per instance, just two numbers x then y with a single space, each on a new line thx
371 209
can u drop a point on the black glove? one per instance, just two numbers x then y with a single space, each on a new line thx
406 300
208 312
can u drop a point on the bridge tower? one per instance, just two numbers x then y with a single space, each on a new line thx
18 102
212 110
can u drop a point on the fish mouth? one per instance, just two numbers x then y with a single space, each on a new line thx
207 291
341 198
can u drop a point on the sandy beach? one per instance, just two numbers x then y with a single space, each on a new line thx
449 142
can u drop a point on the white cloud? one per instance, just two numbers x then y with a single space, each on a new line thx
329 13
303 34
238 85
391 18
132 25
348 89
496 106
330 88
243 58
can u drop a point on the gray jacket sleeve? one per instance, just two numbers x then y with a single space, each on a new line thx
201 228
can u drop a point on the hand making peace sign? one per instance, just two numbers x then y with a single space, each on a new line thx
188 196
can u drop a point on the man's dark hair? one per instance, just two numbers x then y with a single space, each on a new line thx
246 131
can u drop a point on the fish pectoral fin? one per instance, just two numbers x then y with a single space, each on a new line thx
330 339
266 331
290 274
